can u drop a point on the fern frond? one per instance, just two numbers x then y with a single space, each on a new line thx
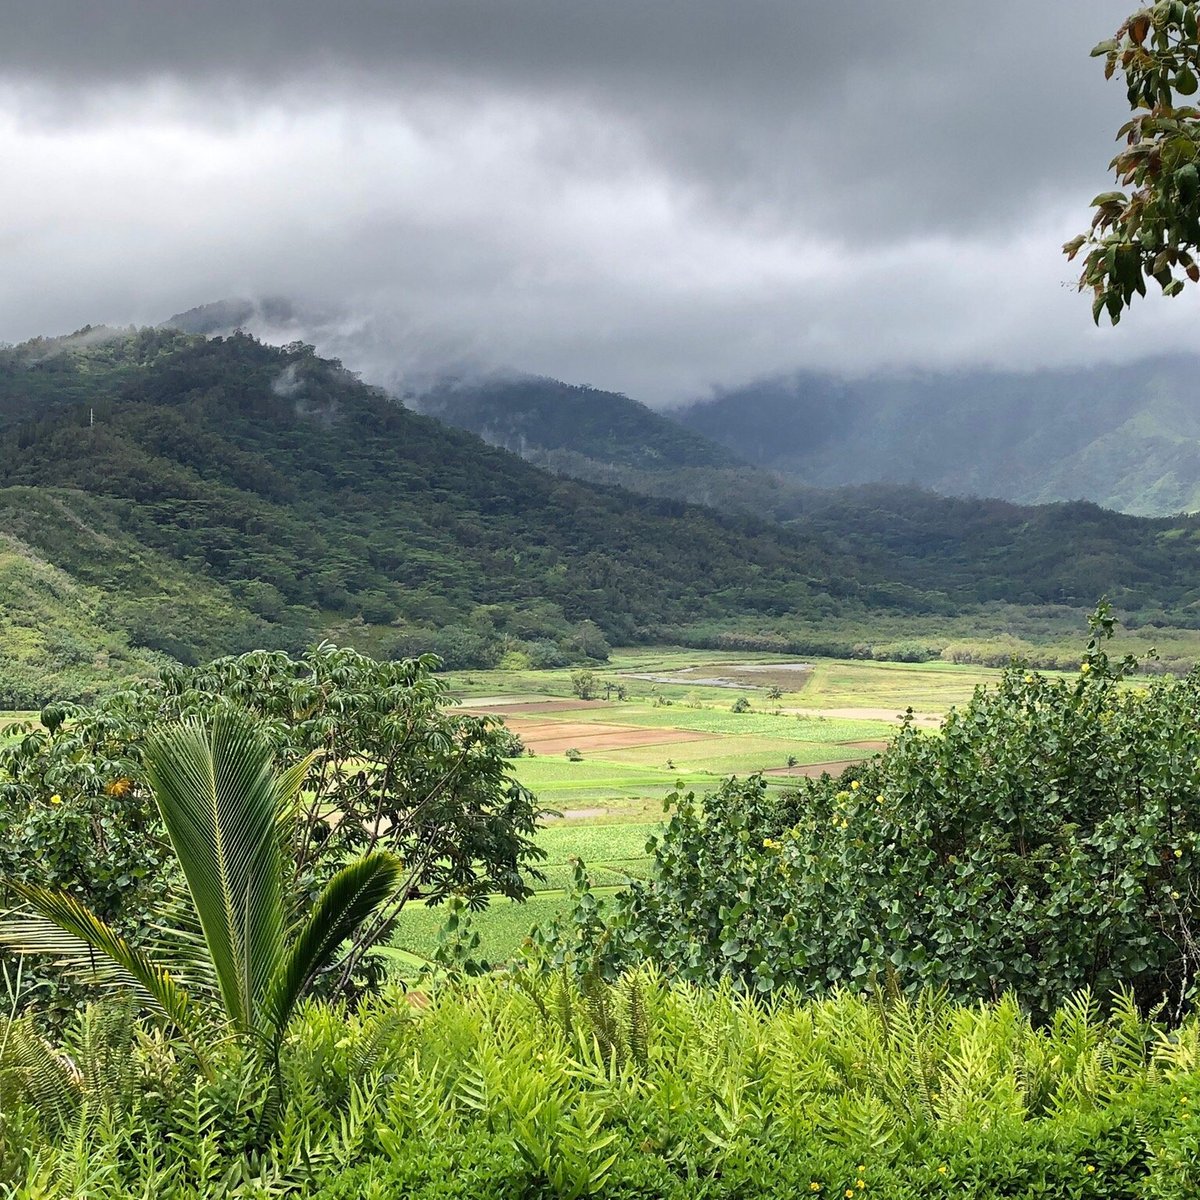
64 914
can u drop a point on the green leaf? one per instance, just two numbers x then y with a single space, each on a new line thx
226 811
86 935
347 900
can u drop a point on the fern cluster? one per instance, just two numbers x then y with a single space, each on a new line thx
554 1087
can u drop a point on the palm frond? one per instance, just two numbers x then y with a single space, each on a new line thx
86 934
346 901
223 806
28 934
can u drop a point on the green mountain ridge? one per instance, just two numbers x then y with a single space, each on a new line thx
224 494
535 415
199 496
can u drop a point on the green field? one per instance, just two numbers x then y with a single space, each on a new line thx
614 796
832 683
563 785
926 687
774 733
613 853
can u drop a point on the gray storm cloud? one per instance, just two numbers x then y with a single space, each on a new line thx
657 198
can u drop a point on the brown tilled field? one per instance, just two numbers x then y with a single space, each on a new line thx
555 737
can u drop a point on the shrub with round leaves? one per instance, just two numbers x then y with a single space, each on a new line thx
1046 839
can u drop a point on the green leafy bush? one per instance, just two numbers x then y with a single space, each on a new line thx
395 769
1045 840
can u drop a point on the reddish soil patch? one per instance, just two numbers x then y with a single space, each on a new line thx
519 708
555 737
813 770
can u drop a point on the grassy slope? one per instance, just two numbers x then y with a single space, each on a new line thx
144 592
56 636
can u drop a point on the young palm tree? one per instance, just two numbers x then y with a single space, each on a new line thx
229 817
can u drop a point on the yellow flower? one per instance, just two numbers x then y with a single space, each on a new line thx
1090 1169
1178 853
855 786
56 799
1084 668
814 1186
879 798
119 787
942 1170
849 1194
860 1183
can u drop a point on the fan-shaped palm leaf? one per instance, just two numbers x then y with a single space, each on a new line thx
225 811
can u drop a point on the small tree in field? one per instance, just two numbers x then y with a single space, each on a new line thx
583 683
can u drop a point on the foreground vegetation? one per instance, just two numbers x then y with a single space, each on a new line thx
965 967
534 1086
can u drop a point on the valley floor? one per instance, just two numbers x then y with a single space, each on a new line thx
606 767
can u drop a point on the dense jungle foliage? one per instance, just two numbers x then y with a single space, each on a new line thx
300 501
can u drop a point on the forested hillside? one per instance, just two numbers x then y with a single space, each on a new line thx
535 417
1127 437
208 496
224 494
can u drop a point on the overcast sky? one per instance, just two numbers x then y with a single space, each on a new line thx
653 196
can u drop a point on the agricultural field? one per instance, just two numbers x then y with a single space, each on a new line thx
675 730
8 720
663 716
614 853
